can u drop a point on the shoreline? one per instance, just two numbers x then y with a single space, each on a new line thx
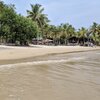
12 55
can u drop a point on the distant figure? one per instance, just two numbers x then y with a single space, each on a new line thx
91 44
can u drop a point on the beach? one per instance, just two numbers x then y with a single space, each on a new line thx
64 76
9 53
49 50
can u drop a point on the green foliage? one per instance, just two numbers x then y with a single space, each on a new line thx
25 29
36 14
16 27
20 30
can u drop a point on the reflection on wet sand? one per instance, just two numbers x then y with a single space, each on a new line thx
74 76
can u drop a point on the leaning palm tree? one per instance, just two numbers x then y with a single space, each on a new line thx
36 14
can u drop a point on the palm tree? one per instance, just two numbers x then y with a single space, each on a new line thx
95 31
67 31
98 29
81 34
36 14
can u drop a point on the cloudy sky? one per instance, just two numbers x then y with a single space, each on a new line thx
76 12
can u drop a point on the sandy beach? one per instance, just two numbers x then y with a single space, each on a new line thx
15 53
65 76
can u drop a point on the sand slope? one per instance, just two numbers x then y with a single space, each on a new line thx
10 52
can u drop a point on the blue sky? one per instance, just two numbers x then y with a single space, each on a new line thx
76 12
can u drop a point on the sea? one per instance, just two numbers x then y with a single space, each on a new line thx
68 76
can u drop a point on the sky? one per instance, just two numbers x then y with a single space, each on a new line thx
79 13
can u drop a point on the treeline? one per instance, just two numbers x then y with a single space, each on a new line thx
20 30
15 28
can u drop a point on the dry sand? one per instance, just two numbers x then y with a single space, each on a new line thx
15 53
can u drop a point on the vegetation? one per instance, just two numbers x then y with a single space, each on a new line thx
20 30
15 28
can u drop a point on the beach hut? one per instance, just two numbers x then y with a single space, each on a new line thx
73 41
47 41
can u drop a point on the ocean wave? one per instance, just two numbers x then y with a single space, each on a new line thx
41 62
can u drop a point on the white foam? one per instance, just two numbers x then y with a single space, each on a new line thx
40 62
98 53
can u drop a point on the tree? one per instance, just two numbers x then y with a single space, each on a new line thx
16 28
36 14
67 31
25 30
81 34
7 14
95 33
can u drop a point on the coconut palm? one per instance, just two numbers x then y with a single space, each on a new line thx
36 14
81 34
67 31
95 31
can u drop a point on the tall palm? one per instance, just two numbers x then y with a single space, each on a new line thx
95 31
68 31
98 29
81 34
36 14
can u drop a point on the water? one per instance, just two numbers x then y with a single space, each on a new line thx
73 76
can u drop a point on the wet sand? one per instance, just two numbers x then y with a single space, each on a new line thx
69 76
10 54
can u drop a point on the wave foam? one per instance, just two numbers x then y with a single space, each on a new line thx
40 62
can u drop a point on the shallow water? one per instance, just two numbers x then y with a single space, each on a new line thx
72 76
